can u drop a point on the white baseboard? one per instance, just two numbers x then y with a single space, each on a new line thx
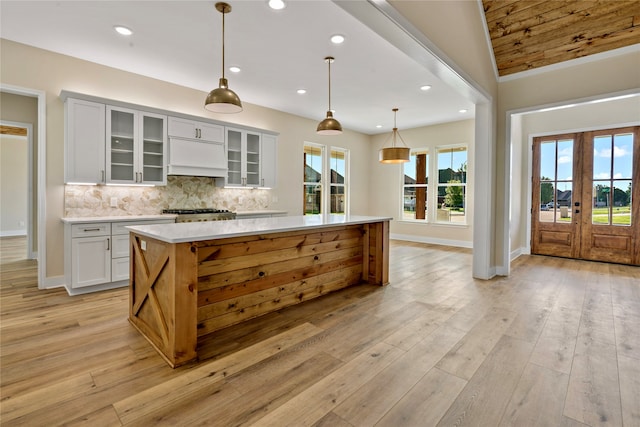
434 241
13 233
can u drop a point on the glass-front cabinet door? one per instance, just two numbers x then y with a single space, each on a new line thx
153 157
243 158
136 151
253 160
122 128
234 156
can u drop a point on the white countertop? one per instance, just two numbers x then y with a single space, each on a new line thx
198 231
89 219
261 212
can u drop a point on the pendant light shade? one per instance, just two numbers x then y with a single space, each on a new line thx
394 154
222 99
329 126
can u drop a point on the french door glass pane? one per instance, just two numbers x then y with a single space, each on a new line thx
565 160
622 156
556 180
612 179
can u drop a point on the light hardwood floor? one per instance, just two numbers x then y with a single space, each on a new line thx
555 344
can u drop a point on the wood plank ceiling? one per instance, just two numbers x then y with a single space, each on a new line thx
528 34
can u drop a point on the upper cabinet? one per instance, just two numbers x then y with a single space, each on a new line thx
184 128
243 158
269 161
136 151
251 158
115 142
84 142
196 148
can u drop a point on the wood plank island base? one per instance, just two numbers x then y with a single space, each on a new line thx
190 279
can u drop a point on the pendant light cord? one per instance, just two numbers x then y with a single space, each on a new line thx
329 60
223 13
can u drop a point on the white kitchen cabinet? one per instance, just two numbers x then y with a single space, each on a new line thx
243 158
97 253
90 254
190 129
136 147
269 161
84 142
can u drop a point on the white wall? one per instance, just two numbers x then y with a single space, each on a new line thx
386 183
582 117
14 182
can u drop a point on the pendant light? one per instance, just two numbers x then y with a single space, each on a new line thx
223 99
394 154
329 126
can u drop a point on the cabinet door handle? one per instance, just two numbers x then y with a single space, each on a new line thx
103 177
90 229
262 181
108 244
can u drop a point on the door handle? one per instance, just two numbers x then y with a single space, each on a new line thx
576 204
108 244
577 210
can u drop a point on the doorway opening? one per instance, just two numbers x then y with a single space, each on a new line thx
17 196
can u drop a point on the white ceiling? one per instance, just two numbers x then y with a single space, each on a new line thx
278 52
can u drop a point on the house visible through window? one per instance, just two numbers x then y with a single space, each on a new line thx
415 185
313 160
452 185
322 172
338 168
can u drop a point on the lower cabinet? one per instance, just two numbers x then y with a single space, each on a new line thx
90 254
97 254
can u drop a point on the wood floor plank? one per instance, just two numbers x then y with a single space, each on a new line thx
468 354
425 403
593 395
315 402
556 344
368 405
485 397
538 387
629 372
154 398
16 406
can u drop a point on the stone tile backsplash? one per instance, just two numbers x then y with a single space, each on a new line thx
182 192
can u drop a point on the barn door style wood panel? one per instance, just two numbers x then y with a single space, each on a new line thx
555 226
162 296
611 196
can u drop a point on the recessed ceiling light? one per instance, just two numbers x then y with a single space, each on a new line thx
277 4
378 126
337 38
301 91
425 87
463 111
123 30
234 69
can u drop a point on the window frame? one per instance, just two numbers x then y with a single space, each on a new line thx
447 184
325 179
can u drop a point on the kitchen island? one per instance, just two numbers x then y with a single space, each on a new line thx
190 279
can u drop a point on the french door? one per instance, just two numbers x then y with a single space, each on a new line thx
586 195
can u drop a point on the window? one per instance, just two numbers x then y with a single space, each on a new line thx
452 185
335 178
338 167
313 160
415 185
